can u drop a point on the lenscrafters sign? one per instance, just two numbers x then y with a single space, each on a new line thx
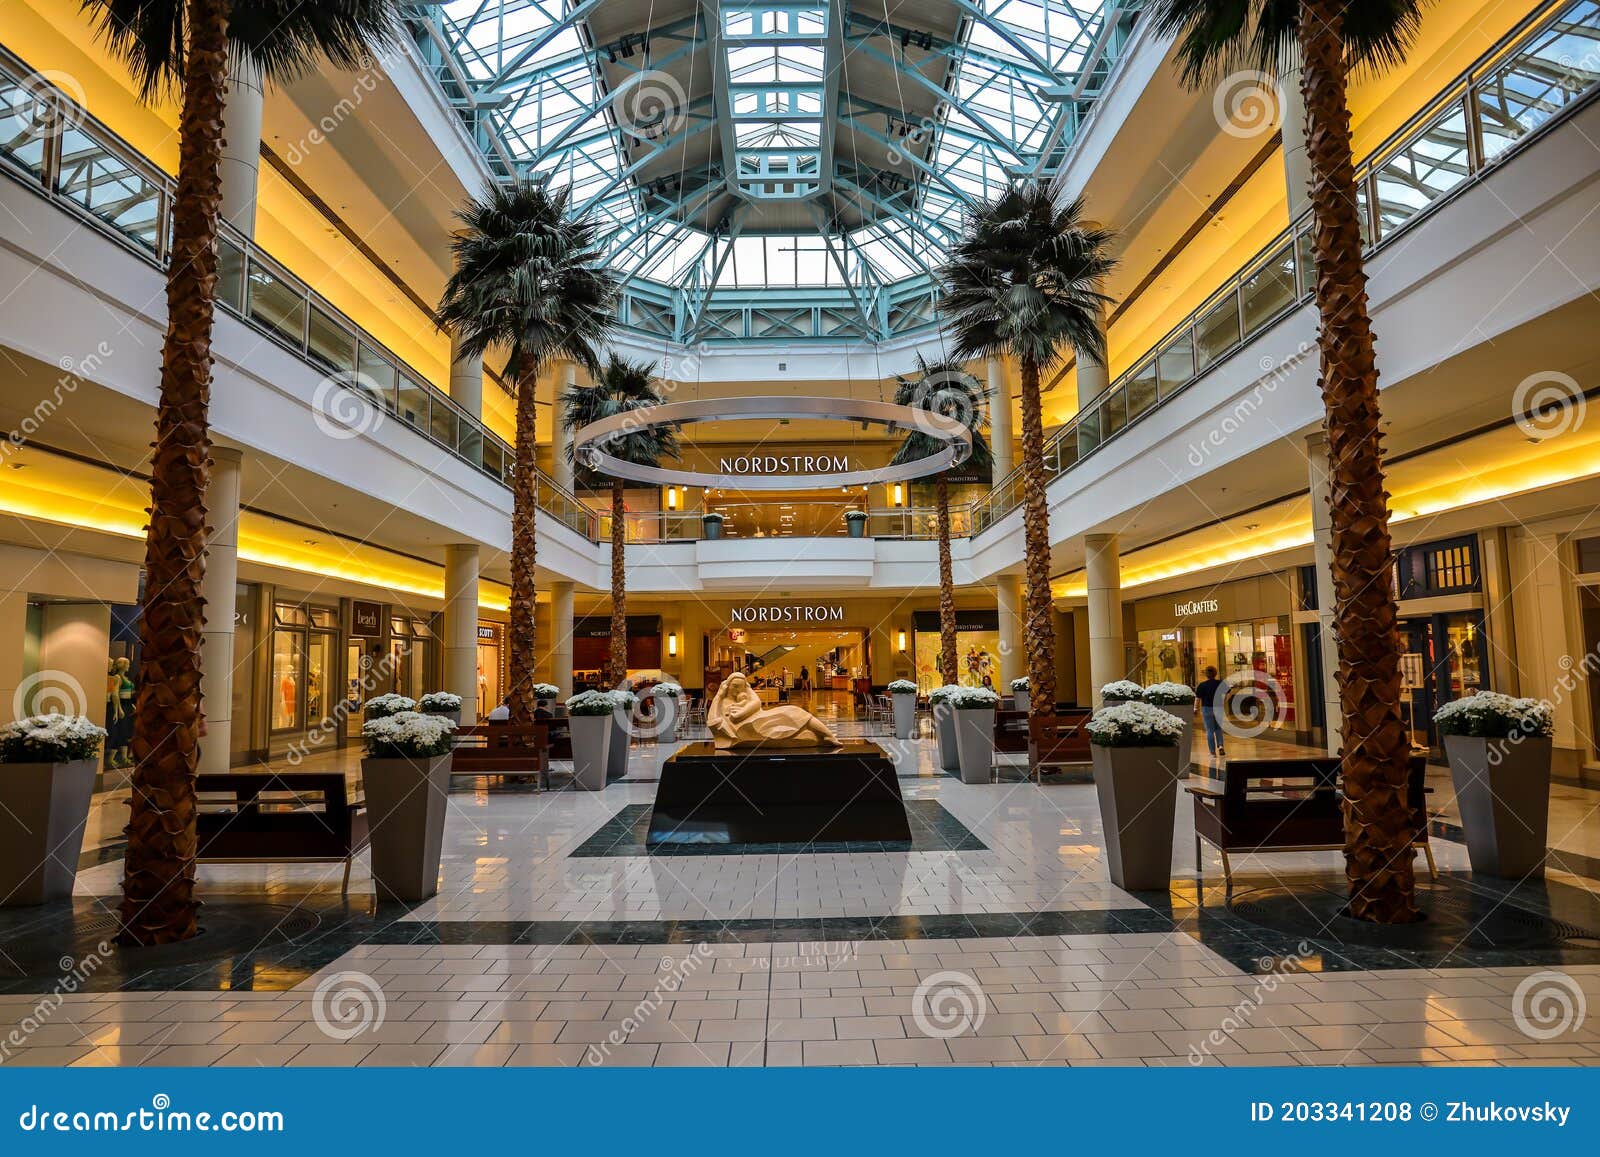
756 614
1194 607
786 464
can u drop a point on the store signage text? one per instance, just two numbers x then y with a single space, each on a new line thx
1195 607
803 613
366 619
786 464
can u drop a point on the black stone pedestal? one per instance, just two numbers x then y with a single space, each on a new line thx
797 795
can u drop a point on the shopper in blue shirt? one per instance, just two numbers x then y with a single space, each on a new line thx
1212 693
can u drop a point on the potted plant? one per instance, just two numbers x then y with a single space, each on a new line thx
444 703
385 705
974 712
1121 691
1177 699
668 699
406 776
1135 753
47 773
944 726
1499 752
903 694
1019 694
593 716
622 720
545 696
712 524
855 522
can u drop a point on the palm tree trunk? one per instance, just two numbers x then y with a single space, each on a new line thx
1038 630
1376 749
947 587
619 589
523 633
158 904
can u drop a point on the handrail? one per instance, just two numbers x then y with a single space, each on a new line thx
1470 128
77 162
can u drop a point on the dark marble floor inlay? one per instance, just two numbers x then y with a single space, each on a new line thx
933 829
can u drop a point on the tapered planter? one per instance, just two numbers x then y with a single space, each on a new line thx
944 726
905 713
1138 792
975 743
621 736
668 712
405 814
591 749
43 809
1183 712
1503 794
1020 701
453 716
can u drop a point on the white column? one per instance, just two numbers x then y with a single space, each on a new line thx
1104 569
1093 376
221 581
560 436
1322 555
1000 435
241 148
1292 118
13 645
561 636
1013 659
461 629
466 380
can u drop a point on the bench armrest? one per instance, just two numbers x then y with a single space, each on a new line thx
1205 792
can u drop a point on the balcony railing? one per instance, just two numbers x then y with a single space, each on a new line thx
678 526
1538 74
53 146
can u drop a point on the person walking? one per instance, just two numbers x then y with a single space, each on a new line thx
1212 694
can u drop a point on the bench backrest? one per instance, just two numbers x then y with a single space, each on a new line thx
499 736
292 813
1293 801
1062 737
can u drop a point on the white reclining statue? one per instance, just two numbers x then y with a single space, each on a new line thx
737 720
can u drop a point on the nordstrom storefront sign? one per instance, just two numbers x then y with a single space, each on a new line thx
756 614
1195 607
786 464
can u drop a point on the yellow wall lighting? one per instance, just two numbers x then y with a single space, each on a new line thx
900 640
672 644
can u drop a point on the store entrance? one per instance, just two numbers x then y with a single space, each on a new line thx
305 656
823 671
1443 660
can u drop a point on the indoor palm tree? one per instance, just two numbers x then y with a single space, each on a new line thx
529 279
183 47
1025 280
1335 37
622 387
945 388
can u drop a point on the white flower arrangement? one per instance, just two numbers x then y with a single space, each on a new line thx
668 690
1491 715
940 694
1121 691
1169 694
1134 723
1020 685
973 698
407 735
593 703
545 691
382 706
624 698
50 738
440 701
902 687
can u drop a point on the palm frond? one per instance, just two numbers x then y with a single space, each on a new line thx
621 387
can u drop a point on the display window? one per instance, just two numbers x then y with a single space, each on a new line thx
305 649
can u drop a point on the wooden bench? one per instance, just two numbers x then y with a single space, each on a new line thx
1011 732
1288 805
1060 740
290 817
503 749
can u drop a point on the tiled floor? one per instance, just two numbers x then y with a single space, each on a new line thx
1023 952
